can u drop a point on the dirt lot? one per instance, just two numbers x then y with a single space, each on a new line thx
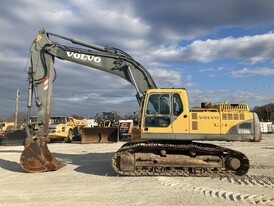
88 179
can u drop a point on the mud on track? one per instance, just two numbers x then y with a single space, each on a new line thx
88 179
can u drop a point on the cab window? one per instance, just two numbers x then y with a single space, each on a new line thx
177 105
158 110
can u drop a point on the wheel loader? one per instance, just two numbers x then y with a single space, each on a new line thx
110 129
106 132
171 133
5 127
9 135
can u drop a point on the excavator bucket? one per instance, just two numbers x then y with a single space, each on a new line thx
100 135
38 158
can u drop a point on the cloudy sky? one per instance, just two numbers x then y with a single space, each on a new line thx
219 50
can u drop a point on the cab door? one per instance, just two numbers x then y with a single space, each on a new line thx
157 116
180 115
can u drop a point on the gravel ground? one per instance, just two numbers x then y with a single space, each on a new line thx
88 179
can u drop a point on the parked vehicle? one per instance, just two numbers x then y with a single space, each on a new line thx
65 128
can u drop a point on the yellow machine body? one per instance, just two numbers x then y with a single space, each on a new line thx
166 116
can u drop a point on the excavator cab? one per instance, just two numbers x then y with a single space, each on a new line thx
163 108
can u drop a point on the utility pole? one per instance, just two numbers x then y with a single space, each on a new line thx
16 108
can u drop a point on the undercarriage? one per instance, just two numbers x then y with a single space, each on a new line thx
178 159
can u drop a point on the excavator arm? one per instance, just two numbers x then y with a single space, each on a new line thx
36 157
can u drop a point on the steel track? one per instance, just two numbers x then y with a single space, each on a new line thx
181 170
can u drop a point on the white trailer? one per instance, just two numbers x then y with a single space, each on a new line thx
270 128
267 127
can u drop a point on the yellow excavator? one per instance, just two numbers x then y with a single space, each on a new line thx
171 133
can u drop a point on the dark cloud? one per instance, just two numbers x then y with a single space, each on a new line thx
139 27
189 19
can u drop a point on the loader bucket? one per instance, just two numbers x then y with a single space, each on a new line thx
14 138
37 158
100 135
